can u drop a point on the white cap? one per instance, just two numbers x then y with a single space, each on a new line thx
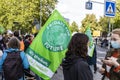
9 32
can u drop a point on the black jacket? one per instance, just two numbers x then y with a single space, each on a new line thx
76 69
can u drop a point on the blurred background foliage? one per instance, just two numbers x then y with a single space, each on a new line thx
25 14
22 14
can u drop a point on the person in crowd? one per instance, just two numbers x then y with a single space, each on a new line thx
27 41
13 46
5 39
96 40
104 43
2 45
112 58
75 66
31 38
17 34
9 33
1 53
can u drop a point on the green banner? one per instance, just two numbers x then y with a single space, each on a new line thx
2 30
47 50
91 44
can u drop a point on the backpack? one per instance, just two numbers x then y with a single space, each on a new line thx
12 66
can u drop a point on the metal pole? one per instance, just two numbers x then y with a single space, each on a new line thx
103 3
112 26
109 26
97 2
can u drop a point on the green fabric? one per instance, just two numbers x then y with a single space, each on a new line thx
47 50
2 30
91 44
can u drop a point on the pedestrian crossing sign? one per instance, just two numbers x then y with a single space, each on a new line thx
110 8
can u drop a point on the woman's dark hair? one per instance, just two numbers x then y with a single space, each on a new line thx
16 33
14 43
78 45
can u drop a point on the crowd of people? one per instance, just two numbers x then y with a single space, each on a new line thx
14 42
76 64
25 40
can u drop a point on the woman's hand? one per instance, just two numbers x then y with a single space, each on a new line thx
102 70
111 61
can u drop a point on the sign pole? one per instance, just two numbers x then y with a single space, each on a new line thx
110 10
109 27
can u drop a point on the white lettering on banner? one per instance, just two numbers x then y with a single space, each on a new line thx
52 47
39 67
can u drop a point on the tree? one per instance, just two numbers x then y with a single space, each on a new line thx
20 14
74 27
117 17
90 20
103 22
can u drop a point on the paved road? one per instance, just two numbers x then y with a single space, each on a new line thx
101 52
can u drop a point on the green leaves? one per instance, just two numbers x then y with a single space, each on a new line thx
90 19
74 27
24 12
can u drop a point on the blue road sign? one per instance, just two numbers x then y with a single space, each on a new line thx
88 5
110 8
